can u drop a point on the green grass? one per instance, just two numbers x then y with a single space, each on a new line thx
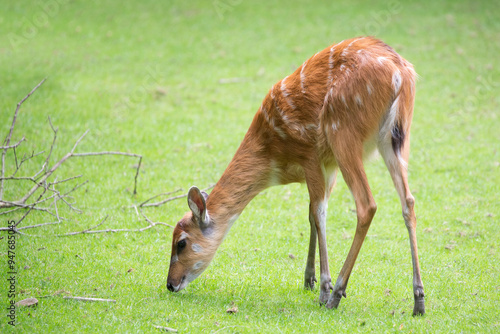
144 78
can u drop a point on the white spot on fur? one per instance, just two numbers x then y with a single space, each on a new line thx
335 126
303 78
198 265
342 67
174 259
196 248
311 126
359 51
358 100
330 64
270 121
183 236
280 132
369 88
344 53
285 93
381 60
330 58
344 101
396 81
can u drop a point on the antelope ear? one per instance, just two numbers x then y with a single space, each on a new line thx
197 204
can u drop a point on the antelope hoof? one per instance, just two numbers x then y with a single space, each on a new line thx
419 308
309 282
324 293
335 297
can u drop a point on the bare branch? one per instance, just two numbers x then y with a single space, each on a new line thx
88 299
12 146
47 161
84 231
66 180
27 227
48 173
79 140
151 223
9 136
145 204
156 196
30 208
24 159
166 329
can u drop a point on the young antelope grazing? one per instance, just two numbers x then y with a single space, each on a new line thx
342 103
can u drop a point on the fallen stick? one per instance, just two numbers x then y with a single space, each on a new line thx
167 329
88 299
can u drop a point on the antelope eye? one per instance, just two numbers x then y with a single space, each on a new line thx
181 244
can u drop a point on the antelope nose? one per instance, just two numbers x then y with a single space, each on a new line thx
170 287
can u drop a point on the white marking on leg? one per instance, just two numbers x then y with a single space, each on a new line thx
322 207
323 278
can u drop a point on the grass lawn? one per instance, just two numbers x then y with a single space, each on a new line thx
179 83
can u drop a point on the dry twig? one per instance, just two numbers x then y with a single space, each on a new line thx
41 179
88 299
167 329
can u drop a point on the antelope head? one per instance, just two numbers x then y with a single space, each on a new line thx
193 243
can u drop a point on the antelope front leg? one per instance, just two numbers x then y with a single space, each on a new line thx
318 214
310 272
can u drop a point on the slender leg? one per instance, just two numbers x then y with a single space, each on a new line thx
400 178
315 180
351 166
310 272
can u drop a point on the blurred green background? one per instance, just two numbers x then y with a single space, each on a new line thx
179 82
